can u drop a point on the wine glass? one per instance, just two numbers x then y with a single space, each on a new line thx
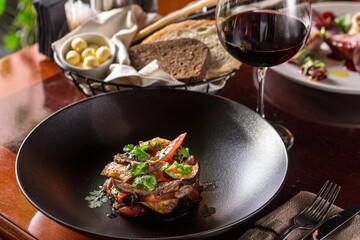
264 33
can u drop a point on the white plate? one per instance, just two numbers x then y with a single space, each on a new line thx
346 85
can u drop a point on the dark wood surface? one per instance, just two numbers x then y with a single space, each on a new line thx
326 127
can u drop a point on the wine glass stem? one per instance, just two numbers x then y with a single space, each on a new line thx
260 96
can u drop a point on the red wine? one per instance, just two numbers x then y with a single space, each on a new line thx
262 38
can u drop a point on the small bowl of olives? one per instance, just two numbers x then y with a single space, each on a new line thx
89 54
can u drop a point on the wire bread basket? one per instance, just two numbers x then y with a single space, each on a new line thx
91 86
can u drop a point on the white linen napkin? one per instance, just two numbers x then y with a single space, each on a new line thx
121 26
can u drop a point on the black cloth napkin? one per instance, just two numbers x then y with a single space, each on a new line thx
51 21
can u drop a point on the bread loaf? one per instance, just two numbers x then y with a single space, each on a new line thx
204 30
184 59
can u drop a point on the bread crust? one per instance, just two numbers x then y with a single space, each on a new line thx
221 62
185 59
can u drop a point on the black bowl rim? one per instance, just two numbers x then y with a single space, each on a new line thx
203 234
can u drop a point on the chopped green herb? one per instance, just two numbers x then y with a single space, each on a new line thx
114 191
309 62
181 168
182 154
164 167
319 64
96 198
128 148
323 32
344 22
158 146
136 169
206 211
184 168
137 153
145 181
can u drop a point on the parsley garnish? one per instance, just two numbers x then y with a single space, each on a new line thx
206 211
96 199
145 181
182 153
164 167
158 146
181 168
128 148
136 169
141 180
137 153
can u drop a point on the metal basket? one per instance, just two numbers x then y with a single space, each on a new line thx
90 86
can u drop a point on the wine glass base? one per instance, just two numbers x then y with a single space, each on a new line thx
285 135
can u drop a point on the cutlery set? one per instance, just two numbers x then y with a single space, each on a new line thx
333 223
312 216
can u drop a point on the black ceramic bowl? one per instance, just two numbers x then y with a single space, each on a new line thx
240 153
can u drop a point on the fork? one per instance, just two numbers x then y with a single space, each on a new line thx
313 215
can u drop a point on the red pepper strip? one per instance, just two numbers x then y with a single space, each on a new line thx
160 177
131 211
121 195
174 170
152 153
170 150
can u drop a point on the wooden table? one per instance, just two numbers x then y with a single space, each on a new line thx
326 127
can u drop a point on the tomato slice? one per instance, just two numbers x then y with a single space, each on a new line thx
194 195
190 161
131 211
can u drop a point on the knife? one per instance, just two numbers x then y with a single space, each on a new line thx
335 222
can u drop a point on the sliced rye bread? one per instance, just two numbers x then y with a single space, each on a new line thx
204 30
184 59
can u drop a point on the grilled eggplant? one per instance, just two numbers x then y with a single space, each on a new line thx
190 177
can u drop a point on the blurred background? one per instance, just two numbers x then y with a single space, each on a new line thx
19 20
17 25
